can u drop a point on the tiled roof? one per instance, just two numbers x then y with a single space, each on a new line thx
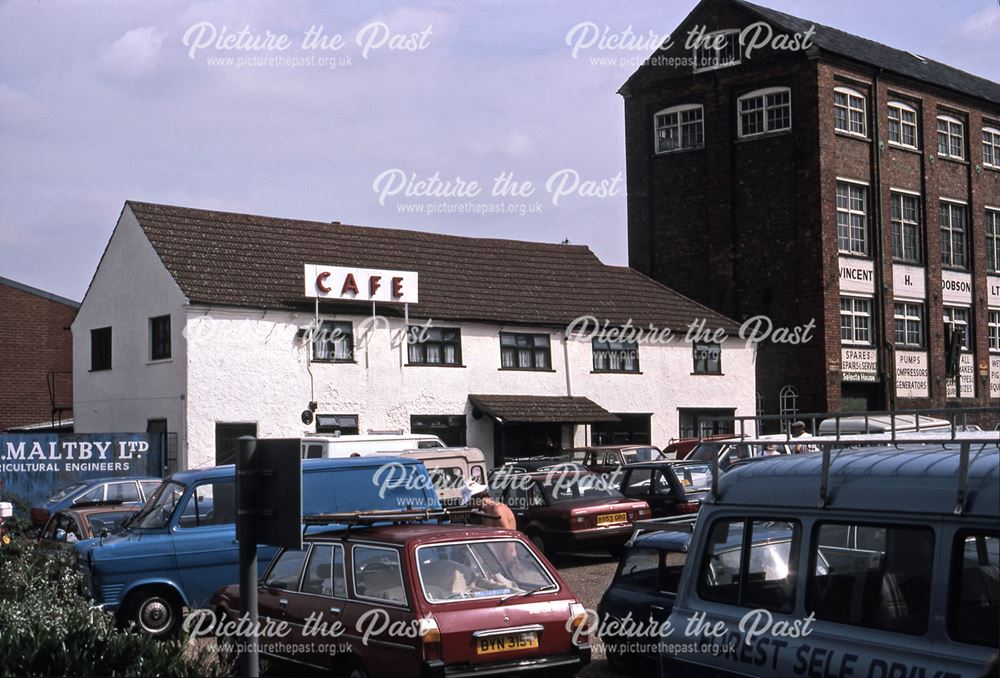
222 258
891 59
527 409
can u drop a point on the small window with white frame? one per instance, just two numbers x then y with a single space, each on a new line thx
991 147
852 218
788 404
958 318
904 215
951 137
954 227
992 219
902 124
849 112
680 128
765 111
855 321
717 50
909 324
994 331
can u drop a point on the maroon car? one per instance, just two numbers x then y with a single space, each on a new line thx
570 509
435 600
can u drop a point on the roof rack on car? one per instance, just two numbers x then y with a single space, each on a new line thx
371 517
957 432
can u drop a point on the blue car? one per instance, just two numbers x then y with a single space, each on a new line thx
95 491
641 596
181 547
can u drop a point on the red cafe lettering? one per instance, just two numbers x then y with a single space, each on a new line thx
338 282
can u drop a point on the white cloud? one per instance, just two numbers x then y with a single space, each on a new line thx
135 54
980 28
18 106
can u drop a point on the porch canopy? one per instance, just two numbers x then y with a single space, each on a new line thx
532 409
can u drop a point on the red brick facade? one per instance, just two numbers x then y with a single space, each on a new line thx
749 226
36 350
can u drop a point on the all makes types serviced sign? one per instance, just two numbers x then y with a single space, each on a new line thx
34 466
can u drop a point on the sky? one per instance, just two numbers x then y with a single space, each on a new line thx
374 113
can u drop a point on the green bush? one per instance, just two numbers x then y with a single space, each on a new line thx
48 629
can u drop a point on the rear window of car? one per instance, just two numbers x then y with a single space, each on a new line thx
875 576
636 455
324 575
480 569
67 491
694 477
127 491
378 574
95 494
560 487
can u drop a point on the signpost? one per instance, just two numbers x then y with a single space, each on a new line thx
269 511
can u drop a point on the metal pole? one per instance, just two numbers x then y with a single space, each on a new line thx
246 533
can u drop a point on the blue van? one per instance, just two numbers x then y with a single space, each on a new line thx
877 562
181 547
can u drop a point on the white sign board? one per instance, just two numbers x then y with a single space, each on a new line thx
909 282
858 364
911 374
995 376
993 291
967 373
956 288
360 284
856 275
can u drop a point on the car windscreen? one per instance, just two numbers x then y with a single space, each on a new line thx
561 487
637 455
156 512
694 477
67 491
480 569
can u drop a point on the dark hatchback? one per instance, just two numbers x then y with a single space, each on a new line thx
669 487
569 509
642 592
72 525
95 491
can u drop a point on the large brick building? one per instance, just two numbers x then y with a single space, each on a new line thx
846 183
36 352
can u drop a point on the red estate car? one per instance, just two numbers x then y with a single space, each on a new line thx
442 600
568 508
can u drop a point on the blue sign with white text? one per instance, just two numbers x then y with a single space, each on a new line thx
33 466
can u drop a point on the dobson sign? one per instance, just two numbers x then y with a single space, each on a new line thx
360 284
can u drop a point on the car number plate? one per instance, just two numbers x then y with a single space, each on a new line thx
609 518
515 641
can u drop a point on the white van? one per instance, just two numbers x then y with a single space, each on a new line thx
320 446
901 423
451 469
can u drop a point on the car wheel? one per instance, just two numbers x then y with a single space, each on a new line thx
155 612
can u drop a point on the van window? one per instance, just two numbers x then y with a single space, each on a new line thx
751 563
212 503
974 609
640 568
877 576
286 571
314 451
325 573
377 574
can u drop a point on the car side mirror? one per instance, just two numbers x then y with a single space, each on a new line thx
60 535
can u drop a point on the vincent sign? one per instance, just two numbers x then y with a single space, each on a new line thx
360 284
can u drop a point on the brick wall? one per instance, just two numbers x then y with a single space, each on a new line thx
34 341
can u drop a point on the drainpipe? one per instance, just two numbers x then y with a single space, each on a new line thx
879 250
569 380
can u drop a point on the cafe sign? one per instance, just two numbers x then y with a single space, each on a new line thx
349 283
